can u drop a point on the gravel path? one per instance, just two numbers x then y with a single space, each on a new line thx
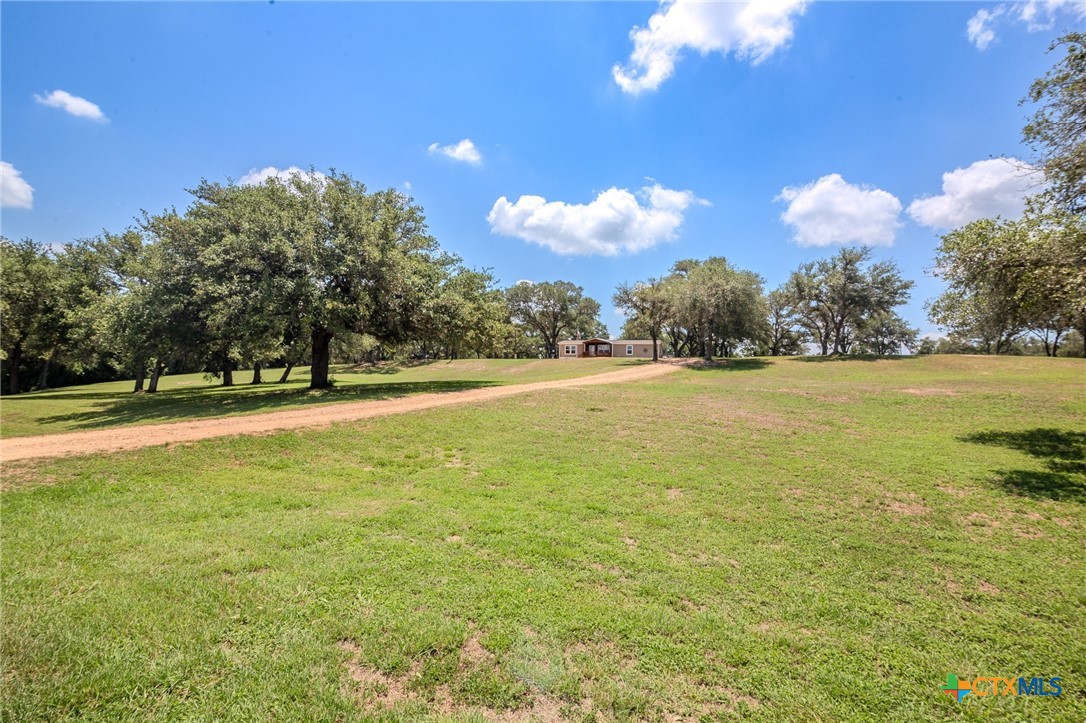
318 415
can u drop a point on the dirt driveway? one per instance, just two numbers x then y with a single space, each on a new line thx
318 415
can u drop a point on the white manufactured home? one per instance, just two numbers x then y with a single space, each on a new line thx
618 348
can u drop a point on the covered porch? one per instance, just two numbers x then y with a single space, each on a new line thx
596 347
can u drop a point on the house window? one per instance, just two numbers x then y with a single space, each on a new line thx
571 349
629 350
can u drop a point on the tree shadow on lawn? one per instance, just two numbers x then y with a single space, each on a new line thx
1063 453
851 357
177 404
385 367
744 364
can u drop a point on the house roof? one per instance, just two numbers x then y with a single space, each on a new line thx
608 341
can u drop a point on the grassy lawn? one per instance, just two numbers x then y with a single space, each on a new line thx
191 396
789 540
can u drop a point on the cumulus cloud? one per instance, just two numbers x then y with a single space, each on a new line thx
1042 14
994 187
979 28
1036 15
615 222
72 105
751 30
255 176
832 211
464 151
15 192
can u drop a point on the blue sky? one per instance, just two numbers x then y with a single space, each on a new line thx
835 115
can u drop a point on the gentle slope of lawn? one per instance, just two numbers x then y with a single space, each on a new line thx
789 540
191 396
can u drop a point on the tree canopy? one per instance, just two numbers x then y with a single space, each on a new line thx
1057 129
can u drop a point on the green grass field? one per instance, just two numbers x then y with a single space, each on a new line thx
768 540
191 396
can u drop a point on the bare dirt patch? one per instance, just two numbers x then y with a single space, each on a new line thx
908 506
674 493
908 509
376 691
372 687
931 392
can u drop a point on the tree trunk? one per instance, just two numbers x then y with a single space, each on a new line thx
141 370
321 343
655 354
227 372
286 374
1082 330
156 374
43 378
15 359
256 374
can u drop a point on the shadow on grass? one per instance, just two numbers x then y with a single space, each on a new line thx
1063 453
385 367
730 365
123 408
850 357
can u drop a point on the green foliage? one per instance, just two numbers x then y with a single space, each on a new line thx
555 310
832 298
648 305
251 274
1008 277
716 308
785 334
28 303
1057 130
884 333
466 317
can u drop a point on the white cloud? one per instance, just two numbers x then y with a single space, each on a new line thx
832 211
751 30
1042 14
72 105
979 28
464 151
255 177
994 187
615 222
1037 15
15 192
407 185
